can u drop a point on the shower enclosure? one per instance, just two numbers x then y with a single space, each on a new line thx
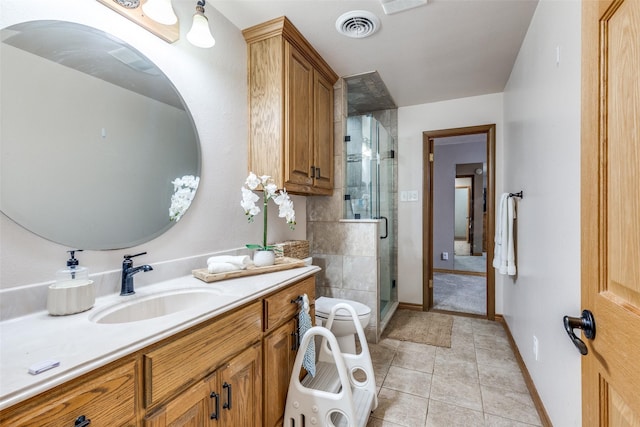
370 194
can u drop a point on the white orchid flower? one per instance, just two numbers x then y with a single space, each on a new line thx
280 198
252 181
270 190
184 190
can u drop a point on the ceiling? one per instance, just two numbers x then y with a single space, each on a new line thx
446 49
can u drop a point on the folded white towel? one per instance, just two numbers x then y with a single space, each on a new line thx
241 261
222 267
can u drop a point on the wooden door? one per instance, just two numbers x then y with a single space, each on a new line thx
323 132
241 389
299 118
196 407
279 355
611 210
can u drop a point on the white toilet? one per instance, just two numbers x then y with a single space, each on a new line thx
342 327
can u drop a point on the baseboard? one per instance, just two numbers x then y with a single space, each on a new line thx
467 273
542 412
409 306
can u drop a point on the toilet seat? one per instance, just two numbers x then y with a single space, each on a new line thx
325 304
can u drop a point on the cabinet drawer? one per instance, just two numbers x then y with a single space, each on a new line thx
107 400
278 307
183 361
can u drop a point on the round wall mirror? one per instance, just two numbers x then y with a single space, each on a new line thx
98 150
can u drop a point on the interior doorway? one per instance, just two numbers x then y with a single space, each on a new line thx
458 220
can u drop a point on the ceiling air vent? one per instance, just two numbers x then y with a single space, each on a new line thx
358 24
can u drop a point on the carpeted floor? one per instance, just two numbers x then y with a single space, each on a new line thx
470 263
459 292
420 327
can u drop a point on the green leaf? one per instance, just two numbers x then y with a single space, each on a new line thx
258 247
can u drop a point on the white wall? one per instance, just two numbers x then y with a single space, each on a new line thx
412 121
213 84
542 157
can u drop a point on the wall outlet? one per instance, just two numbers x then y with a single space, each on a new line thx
535 348
444 256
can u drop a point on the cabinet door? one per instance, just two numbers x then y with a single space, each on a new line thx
199 406
298 118
279 355
323 133
240 388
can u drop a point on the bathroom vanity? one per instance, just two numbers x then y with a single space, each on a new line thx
229 366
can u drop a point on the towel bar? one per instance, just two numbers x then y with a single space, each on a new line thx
518 194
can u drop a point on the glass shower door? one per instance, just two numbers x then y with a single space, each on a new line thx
370 192
385 210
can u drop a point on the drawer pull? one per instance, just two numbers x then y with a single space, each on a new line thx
216 396
227 405
81 421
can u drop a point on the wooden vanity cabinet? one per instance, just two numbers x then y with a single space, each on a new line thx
223 359
280 345
229 397
290 109
230 371
106 398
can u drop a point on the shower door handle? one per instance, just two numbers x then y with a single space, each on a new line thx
386 227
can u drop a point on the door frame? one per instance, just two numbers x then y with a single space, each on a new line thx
427 210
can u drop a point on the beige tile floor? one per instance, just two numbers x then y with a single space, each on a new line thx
476 382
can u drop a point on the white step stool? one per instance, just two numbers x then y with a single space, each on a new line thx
334 397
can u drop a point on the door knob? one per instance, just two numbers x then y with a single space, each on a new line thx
588 325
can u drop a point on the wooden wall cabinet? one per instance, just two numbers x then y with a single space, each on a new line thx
290 109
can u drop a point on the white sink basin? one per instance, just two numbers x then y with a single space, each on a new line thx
157 305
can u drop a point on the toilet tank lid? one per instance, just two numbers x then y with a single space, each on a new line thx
325 304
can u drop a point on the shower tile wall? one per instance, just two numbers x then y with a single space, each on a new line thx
347 253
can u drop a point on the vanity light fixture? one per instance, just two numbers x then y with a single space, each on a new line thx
160 11
158 17
200 35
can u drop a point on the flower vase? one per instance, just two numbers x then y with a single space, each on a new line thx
264 258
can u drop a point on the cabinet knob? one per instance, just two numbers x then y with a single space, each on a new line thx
82 421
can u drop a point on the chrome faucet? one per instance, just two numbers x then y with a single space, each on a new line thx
128 270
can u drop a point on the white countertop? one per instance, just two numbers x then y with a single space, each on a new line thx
81 345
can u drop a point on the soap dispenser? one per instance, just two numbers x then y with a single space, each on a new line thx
73 270
72 292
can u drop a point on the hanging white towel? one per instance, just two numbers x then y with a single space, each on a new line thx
504 250
304 324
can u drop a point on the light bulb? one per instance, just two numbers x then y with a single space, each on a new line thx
160 11
199 35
